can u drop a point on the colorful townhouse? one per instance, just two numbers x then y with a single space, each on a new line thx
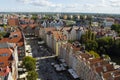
8 61
86 66
17 38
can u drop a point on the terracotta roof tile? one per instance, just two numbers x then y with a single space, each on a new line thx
94 60
110 74
66 28
13 22
20 44
5 56
49 29
109 67
117 78
85 55
58 35
99 63
18 39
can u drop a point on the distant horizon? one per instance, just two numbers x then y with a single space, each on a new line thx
64 12
66 6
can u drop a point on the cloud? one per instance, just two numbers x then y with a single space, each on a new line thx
103 6
24 1
115 3
41 3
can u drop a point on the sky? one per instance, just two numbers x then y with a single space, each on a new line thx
84 6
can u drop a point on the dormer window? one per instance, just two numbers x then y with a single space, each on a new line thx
1 63
4 54
10 37
15 35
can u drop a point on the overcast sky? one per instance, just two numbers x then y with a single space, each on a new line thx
90 6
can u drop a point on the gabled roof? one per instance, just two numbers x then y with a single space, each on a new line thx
112 74
85 56
49 29
109 67
58 35
65 28
15 37
5 56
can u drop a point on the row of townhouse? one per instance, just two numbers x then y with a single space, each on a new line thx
71 33
8 61
10 54
85 65
16 37
54 37
30 29
53 23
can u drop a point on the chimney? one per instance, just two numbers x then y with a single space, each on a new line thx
112 74
98 64
104 68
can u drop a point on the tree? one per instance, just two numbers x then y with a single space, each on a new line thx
1 36
32 75
83 38
91 45
3 33
115 49
96 55
104 44
34 17
29 63
116 27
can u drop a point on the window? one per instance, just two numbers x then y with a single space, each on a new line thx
4 54
15 35
1 63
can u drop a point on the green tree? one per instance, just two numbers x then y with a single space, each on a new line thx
3 33
91 45
116 27
83 38
104 44
89 35
32 75
34 17
105 56
29 63
1 36
96 55
115 49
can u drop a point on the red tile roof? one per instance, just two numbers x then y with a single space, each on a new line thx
18 39
13 22
109 67
5 58
111 74
49 29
